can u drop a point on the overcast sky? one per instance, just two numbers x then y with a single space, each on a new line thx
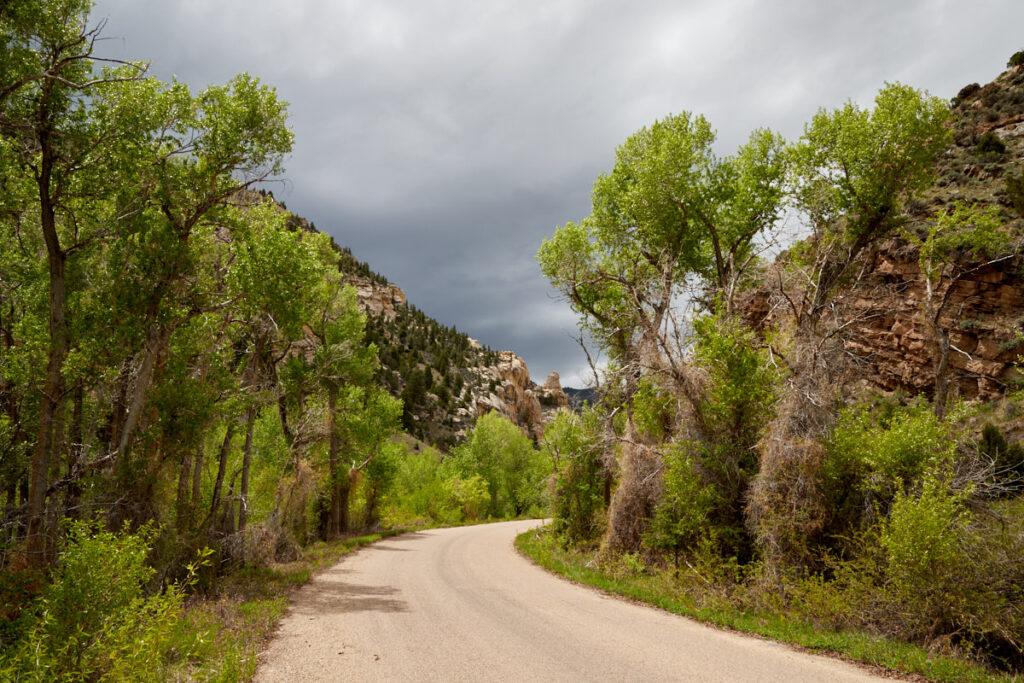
443 140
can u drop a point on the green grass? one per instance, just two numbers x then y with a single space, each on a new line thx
659 588
225 630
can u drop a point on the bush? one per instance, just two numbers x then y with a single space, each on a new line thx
505 458
886 452
932 573
94 621
989 143
1015 192
1017 59
921 542
684 512
469 496
573 444
1007 458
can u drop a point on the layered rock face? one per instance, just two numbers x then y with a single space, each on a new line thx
377 299
984 316
880 316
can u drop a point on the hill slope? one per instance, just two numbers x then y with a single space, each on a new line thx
446 378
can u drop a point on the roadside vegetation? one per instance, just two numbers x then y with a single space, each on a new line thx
698 593
194 416
738 468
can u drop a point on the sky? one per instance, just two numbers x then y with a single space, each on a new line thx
443 140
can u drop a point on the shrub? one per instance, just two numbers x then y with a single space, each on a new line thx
965 92
921 541
574 447
1015 192
887 452
1017 59
94 621
470 496
989 143
1007 458
514 470
684 513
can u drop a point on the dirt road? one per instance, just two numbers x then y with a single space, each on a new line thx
462 605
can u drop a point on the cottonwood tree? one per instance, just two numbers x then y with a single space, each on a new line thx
46 87
855 170
669 215
119 164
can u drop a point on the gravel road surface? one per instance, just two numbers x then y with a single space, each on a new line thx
462 605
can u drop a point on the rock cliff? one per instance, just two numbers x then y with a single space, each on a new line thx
985 314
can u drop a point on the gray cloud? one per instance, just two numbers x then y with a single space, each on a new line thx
442 141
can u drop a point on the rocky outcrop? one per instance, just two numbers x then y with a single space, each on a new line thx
880 314
514 395
551 396
984 316
377 299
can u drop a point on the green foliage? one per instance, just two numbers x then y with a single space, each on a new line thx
1015 191
1007 458
418 494
686 511
885 453
572 442
921 538
471 496
505 458
94 620
1016 59
706 481
858 164
668 209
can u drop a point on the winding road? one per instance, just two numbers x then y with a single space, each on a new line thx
461 605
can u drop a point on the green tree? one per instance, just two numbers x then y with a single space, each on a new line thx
505 458
573 443
669 214
855 170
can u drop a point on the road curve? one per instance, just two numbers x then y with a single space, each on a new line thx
461 605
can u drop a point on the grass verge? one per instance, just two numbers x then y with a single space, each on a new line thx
225 630
660 589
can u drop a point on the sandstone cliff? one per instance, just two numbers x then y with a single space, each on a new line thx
985 314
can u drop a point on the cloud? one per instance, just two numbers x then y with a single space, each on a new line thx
443 141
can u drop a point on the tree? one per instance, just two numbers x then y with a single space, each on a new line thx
45 92
670 214
855 171
505 458
127 175
573 444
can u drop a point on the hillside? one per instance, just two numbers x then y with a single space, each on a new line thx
985 311
445 378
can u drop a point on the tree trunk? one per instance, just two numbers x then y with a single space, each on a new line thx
334 523
184 504
346 484
222 466
941 364
157 339
73 493
243 503
197 475
53 387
